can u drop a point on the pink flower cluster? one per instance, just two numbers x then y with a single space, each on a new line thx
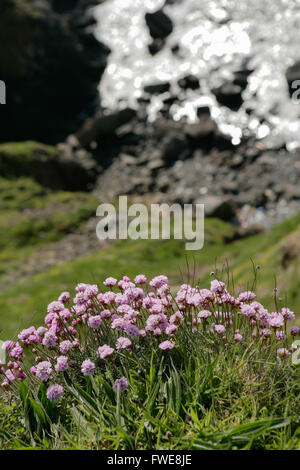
96 329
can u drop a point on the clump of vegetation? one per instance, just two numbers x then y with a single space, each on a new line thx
135 367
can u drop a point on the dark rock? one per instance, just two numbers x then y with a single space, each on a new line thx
292 74
175 49
241 77
189 82
159 24
105 124
52 65
201 132
229 95
219 207
156 46
203 110
157 88
174 146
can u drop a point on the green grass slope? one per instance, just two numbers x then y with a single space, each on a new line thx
25 302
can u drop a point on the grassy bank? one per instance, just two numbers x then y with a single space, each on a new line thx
26 302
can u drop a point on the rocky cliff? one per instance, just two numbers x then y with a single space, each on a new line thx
51 64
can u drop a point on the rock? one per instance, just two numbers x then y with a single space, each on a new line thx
189 82
155 164
52 65
292 74
203 110
174 146
230 95
219 207
159 24
156 46
241 77
49 166
237 161
103 125
127 159
72 141
157 88
201 132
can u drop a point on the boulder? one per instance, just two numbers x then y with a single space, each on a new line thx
159 24
219 207
201 132
157 88
104 125
189 82
229 94
174 146
156 46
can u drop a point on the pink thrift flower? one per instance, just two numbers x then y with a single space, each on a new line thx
276 320
220 329
64 297
110 282
287 314
123 343
88 367
49 340
238 337
105 352
8 345
10 375
43 370
246 296
61 364
204 314
16 352
176 318
55 392
295 330
121 384
55 307
171 329
266 332
166 345
94 322
159 281
217 287
140 279
65 346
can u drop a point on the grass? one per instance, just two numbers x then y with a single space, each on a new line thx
31 216
201 395
25 302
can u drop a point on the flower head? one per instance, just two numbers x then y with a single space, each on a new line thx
87 367
55 392
121 384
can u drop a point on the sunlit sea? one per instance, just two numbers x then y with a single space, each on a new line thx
214 38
